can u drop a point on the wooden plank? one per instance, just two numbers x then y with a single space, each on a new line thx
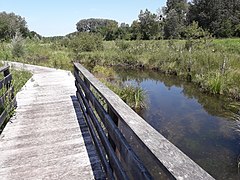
47 140
176 162
127 154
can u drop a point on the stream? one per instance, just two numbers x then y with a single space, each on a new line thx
205 127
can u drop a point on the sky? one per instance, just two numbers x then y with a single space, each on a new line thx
59 17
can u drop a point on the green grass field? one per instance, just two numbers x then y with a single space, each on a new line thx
212 64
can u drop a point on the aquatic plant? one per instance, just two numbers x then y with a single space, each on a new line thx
101 71
215 83
134 96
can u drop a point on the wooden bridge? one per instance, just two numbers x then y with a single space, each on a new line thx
76 128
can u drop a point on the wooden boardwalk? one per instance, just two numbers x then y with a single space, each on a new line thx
47 138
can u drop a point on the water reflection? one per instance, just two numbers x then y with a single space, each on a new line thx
202 126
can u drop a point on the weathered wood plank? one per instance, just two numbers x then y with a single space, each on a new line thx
175 161
44 139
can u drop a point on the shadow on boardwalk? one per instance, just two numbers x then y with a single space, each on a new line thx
92 153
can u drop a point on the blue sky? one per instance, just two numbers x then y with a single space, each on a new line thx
59 17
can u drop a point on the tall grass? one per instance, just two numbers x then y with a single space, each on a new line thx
20 77
213 64
132 95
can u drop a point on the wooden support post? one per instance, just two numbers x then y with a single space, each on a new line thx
6 73
110 139
87 83
115 120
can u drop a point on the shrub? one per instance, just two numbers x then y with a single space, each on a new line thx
86 42
17 45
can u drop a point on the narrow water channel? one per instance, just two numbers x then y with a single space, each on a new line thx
203 126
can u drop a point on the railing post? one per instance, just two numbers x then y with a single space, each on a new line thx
76 73
87 83
6 73
115 120
111 141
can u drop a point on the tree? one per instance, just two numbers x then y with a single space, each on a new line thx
172 26
220 17
10 24
85 42
175 18
109 30
106 27
135 30
17 45
123 32
149 25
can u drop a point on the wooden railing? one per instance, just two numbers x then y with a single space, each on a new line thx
114 126
7 98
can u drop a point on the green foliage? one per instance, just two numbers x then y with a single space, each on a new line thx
86 42
10 24
20 77
237 30
5 51
211 64
149 25
134 96
123 32
174 23
17 45
122 45
219 17
215 83
106 27
193 31
92 24
103 72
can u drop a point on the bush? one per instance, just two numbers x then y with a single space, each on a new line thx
17 46
86 42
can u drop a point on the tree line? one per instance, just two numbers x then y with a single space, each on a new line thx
221 18
179 19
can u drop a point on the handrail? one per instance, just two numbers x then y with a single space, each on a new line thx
7 98
176 164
